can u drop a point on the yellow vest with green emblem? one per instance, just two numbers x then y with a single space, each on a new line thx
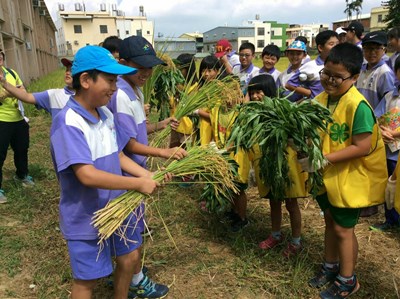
9 111
358 182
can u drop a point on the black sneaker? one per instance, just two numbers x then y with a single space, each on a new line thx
323 276
238 225
340 290
146 288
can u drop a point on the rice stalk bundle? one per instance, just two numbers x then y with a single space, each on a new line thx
270 123
204 162
206 97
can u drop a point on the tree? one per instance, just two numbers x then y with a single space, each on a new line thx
353 7
393 17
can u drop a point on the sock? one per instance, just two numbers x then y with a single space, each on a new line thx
331 266
276 235
137 278
296 241
346 280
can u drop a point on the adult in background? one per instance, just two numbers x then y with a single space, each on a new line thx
14 130
227 56
341 34
354 33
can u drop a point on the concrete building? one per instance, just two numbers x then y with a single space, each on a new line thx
364 19
378 14
79 28
310 31
27 36
173 46
260 33
197 37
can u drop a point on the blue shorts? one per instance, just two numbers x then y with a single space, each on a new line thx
91 261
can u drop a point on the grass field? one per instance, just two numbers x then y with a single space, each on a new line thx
207 261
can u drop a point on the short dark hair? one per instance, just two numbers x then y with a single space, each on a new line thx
302 39
394 33
397 64
248 46
208 63
76 83
264 82
271 50
324 36
186 61
112 43
348 55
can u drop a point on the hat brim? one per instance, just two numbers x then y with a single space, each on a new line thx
66 62
373 42
293 49
117 69
219 54
147 61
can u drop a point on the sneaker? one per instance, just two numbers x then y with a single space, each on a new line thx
3 198
323 277
382 227
238 225
229 216
148 289
271 242
339 290
27 181
292 250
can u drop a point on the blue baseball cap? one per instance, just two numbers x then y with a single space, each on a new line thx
98 58
297 46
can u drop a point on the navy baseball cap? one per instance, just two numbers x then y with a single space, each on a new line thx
97 58
355 26
138 50
377 37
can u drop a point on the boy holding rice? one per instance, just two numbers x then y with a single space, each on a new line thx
355 175
87 153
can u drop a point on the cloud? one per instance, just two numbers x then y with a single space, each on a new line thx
174 17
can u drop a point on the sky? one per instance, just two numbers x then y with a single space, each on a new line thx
174 17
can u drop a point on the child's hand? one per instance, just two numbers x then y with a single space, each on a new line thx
308 166
175 153
146 109
174 123
147 185
387 134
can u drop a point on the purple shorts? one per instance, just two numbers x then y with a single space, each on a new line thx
90 261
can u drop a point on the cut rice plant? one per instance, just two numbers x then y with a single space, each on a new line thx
270 124
204 162
205 97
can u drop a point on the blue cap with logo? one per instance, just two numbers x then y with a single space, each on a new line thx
97 58
138 50
297 46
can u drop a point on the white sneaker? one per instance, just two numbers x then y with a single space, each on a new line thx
3 198
26 181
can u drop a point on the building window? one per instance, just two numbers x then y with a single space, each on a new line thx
103 29
139 32
245 41
272 32
127 32
77 28
148 32
260 30
260 43
380 18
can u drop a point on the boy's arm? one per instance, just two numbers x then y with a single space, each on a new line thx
18 92
361 147
131 167
92 177
140 149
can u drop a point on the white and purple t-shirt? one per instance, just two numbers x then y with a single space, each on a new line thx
53 100
376 82
273 72
129 115
283 78
311 69
77 137
245 75
233 58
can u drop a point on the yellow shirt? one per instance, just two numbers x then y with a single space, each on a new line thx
9 111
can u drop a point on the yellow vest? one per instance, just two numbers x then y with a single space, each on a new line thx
221 124
358 182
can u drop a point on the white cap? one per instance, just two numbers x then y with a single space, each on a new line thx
340 30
